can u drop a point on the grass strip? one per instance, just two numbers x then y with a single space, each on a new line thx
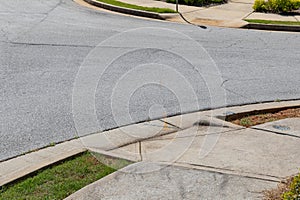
260 21
136 7
60 180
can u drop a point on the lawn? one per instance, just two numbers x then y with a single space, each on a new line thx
62 179
136 7
273 22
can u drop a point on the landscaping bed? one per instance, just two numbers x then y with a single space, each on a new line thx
198 2
288 189
260 117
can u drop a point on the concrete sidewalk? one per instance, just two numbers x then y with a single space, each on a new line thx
181 165
242 164
225 15
191 156
231 14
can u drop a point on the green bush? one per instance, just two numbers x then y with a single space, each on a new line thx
294 192
259 6
276 6
197 2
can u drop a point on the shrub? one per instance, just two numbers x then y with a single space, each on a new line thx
294 192
197 2
296 4
276 6
259 6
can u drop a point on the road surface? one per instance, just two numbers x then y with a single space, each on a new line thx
67 70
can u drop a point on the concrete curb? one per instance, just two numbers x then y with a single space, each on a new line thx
21 166
272 27
13 169
129 11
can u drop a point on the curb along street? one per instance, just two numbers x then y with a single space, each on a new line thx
204 21
272 27
129 11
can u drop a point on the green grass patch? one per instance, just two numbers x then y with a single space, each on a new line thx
272 22
62 179
136 7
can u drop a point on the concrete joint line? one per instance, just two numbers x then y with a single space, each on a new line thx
140 151
228 171
170 124
247 15
195 136
141 140
275 132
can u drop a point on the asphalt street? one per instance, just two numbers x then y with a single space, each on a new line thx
68 71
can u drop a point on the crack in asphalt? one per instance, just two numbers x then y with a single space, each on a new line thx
224 82
199 26
52 9
49 44
266 45
5 34
231 91
62 45
233 44
41 21
20 13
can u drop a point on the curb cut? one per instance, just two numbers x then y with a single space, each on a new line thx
130 11
272 27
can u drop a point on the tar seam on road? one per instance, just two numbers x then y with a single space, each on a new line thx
200 26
